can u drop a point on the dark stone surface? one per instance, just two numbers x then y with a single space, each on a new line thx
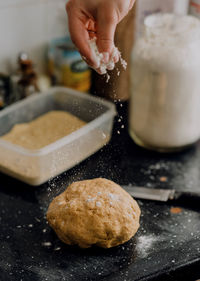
166 247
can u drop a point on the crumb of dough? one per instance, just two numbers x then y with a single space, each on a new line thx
175 210
163 179
44 130
99 212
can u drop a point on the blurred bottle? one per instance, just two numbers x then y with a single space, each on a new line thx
66 67
195 8
4 90
27 84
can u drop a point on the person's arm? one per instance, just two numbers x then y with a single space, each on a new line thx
95 18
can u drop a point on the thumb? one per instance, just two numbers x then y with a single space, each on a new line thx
106 25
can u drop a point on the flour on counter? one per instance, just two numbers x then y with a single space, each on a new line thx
145 242
46 244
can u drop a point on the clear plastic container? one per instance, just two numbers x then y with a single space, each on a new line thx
38 166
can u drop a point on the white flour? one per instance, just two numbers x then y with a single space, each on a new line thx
103 67
98 204
47 244
113 196
144 244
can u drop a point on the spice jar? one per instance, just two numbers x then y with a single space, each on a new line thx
164 113
27 84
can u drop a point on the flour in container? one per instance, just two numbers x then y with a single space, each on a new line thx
31 169
44 130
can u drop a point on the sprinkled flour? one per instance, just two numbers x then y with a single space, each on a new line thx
145 242
90 199
61 202
46 244
98 204
113 196
103 67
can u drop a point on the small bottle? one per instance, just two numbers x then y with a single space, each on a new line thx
195 8
4 90
27 83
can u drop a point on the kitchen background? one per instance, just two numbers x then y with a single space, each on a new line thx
32 26
28 25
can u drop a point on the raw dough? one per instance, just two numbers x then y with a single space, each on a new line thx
94 212
44 130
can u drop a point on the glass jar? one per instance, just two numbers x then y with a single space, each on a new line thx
164 113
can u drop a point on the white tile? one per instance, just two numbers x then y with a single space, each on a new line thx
28 25
8 3
56 19
22 28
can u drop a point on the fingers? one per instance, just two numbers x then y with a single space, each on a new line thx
131 4
116 55
80 35
106 24
82 29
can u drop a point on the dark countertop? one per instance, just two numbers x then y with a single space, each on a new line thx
166 247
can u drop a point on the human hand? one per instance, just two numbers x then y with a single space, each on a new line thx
96 18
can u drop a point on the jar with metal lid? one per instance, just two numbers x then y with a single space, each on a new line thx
164 113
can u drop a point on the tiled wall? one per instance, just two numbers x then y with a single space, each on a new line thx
29 25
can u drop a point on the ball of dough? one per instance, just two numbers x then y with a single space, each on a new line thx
94 212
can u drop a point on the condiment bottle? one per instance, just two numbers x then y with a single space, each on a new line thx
195 8
66 66
27 84
4 90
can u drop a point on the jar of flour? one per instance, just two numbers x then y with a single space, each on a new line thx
164 113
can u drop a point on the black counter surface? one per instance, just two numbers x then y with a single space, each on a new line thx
166 247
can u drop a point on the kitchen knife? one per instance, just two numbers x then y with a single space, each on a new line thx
162 194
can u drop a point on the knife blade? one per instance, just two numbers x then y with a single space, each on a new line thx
162 194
